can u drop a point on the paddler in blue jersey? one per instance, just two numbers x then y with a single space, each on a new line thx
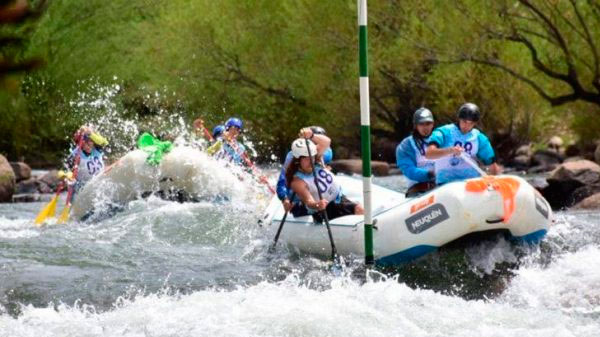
308 149
410 155
226 146
88 156
447 144
289 201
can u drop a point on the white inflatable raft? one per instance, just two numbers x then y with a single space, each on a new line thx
409 228
182 170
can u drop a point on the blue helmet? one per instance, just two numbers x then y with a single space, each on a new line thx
233 121
218 130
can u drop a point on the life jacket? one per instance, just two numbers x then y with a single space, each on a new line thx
89 164
451 168
227 152
329 188
420 159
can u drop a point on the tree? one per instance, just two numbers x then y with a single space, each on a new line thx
561 38
14 13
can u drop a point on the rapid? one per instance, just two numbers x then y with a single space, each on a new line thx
164 268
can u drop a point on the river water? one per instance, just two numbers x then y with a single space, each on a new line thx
162 268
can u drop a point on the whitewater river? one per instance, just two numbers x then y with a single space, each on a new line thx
163 268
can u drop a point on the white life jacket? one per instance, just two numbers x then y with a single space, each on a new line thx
420 159
329 188
451 168
89 165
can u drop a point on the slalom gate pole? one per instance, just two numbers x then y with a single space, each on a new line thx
365 130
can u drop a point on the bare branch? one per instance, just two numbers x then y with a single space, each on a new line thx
590 41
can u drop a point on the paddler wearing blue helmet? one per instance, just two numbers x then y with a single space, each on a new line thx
410 155
447 144
283 192
227 146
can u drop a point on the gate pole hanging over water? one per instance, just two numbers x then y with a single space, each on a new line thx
365 128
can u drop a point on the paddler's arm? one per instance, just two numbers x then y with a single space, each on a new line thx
487 155
215 147
321 141
301 190
434 152
405 160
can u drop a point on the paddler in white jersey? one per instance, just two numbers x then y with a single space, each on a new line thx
299 175
89 150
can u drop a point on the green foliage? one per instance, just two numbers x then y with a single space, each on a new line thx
281 65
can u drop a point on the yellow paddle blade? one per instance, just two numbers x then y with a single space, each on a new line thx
48 211
64 215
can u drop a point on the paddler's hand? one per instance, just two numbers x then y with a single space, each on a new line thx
455 150
65 175
305 133
198 124
287 204
321 204
495 169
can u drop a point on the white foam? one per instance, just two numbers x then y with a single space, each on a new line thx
288 308
17 228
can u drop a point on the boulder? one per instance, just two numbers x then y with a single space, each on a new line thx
524 150
582 193
591 202
567 178
7 180
539 183
27 186
44 188
49 179
555 143
585 172
351 166
22 170
546 157
520 162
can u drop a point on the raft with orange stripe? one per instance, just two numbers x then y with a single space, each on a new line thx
409 228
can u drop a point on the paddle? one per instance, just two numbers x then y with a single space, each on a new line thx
280 228
324 212
473 164
199 124
64 215
244 156
50 209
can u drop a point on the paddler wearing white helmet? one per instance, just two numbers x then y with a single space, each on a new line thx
307 152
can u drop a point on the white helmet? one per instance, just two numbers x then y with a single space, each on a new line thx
299 148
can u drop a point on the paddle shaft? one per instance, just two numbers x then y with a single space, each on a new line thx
324 212
281 225
473 164
75 171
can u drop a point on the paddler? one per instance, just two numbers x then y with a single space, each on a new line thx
227 146
410 155
448 142
289 201
89 151
306 150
